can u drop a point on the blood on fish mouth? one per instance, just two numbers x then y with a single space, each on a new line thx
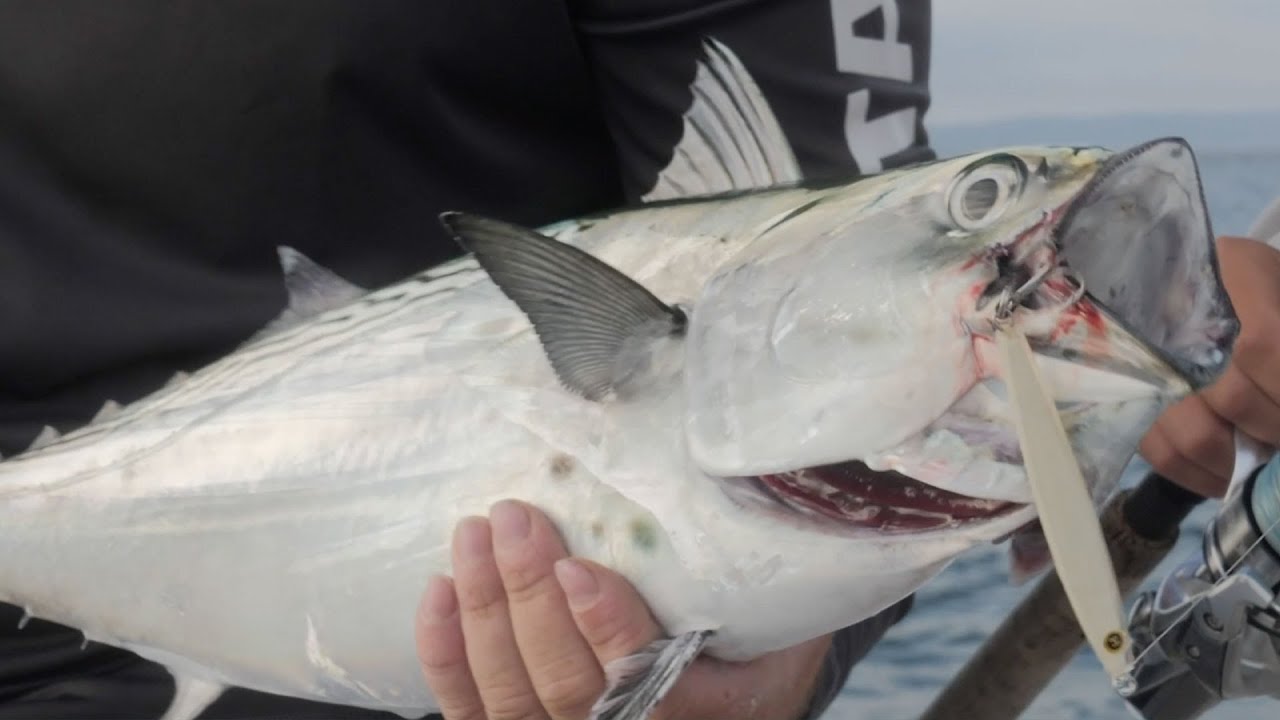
857 496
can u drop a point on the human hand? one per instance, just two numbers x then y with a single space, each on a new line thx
1192 443
522 631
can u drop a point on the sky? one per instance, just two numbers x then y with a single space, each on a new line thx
995 59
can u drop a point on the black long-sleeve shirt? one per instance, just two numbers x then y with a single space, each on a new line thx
154 153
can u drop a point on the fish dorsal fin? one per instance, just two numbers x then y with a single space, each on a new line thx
732 140
48 436
191 696
109 410
312 288
585 313
178 378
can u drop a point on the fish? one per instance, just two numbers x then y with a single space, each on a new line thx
773 404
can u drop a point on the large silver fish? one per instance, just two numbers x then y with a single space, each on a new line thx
777 411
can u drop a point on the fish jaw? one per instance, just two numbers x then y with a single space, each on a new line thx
1140 238
973 448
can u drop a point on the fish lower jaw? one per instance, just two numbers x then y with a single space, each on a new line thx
851 498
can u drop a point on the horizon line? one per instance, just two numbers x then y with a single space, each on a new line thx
1101 115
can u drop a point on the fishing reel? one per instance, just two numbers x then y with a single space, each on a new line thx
1211 631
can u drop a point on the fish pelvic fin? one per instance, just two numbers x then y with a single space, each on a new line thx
635 684
731 141
587 314
191 696
1028 555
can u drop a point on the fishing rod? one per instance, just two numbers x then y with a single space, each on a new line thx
1205 636
1041 635
1209 633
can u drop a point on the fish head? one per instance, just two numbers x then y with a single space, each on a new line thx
841 368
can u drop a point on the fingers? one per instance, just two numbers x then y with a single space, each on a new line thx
1193 442
1170 461
1248 394
615 620
1200 436
523 632
1238 398
443 654
501 641
607 610
492 655
565 672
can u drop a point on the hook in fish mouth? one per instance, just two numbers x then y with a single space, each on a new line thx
1133 245
1022 267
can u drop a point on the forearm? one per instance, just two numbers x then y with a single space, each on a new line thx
848 647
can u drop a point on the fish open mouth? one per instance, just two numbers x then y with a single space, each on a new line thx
1126 273
1134 245
1138 236
858 497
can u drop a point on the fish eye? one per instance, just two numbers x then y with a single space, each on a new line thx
983 191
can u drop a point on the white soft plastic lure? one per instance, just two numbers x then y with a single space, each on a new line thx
776 411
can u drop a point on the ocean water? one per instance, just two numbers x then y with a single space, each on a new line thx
954 614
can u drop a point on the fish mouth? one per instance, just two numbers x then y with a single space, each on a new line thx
850 499
1138 238
1121 279
859 498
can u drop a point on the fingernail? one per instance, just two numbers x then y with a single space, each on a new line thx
510 522
472 539
439 600
579 583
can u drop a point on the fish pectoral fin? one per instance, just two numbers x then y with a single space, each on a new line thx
636 683
587 314
191 695
731 141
